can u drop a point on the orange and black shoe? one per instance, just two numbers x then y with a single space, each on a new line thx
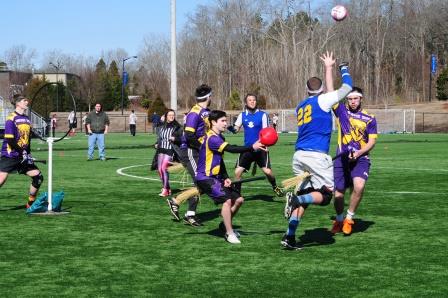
337 227
347 226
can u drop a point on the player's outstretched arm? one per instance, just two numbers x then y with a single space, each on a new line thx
327 100
329 61
241 149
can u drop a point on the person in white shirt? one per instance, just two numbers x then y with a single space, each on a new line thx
53 125
72 123
132 123
275 121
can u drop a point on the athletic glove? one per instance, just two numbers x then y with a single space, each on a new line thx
231 129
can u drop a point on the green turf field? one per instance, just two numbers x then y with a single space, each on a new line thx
119 239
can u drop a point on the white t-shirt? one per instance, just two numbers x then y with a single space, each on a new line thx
132 119
71 117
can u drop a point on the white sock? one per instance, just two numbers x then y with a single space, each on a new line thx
190 213
350 215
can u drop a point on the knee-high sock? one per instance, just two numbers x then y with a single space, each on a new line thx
303 199
292 226
271 180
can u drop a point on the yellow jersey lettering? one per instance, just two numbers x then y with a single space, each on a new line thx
304 115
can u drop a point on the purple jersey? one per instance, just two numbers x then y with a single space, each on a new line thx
354 128
196 121
210 156
17 127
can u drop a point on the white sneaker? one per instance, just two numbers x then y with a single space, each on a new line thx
232 238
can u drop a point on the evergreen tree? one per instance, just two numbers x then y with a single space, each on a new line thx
45 101
74 85
101 91
235 100
115 87
157 106
442 85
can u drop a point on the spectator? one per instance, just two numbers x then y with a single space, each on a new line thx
72 123
155 120
275 121
97 126
132 123
53 125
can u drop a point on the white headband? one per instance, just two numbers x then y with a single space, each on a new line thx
354 93
315 91
205 96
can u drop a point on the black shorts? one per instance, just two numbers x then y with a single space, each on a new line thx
10 165
247 158
215 189
189 159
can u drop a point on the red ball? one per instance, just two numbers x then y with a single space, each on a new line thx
268 136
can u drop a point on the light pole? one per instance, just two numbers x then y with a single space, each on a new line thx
57 67
123 83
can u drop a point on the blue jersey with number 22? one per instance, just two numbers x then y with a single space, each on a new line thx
314 126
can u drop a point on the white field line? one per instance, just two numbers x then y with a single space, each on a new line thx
228 161
122 173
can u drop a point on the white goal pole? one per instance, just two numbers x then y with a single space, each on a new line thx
173 57
404 121
50 173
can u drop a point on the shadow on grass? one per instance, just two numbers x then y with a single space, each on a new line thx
209 215
11 208
265 198
317 237
217 232
112 158
361 226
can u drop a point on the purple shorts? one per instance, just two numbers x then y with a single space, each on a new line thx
215 189
345 170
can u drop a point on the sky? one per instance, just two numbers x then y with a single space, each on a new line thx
88 27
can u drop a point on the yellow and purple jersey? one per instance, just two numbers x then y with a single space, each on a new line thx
211 156
197 122
17 127
354 128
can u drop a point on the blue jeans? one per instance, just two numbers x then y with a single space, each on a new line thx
96 138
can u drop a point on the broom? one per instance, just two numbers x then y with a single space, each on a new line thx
175 168
295 181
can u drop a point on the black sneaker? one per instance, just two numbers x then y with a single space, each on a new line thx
289 242
278 191
174 208
192 221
